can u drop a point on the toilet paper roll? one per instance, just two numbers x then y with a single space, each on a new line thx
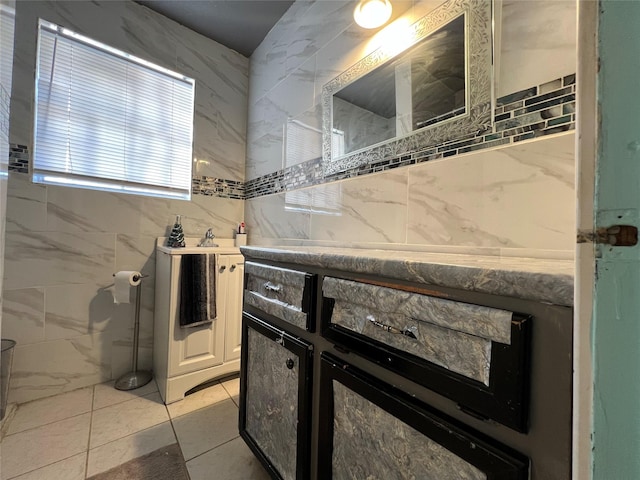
124 281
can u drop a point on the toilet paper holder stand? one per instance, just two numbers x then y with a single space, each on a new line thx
135 378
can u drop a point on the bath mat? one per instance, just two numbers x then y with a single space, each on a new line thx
162 464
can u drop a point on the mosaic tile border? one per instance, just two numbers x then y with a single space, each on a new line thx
18 158
537 111
217 187
201 185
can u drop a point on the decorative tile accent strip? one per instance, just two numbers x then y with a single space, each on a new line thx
534 112
213 187
522 115
18 158
217 187
291 178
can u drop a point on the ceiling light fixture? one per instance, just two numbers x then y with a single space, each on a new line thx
372 13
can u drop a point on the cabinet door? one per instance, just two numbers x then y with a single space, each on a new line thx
370 429
195 348
233 307
274 398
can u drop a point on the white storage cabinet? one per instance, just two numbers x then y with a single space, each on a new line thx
186 357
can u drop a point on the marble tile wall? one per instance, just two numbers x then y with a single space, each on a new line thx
538 43
519 116
516 199
64 244
62 247
7 24
316 40
450 203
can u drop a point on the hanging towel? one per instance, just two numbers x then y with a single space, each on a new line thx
197 290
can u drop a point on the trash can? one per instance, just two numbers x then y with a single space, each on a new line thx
6 358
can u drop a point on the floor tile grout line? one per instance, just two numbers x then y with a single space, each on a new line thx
45 424
31 402
90 410
211 449
229 397
156 392
88 448
175 434
135 397
228 392
130 434
86 458
126 436
44 466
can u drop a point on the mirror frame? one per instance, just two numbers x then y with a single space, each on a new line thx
479 88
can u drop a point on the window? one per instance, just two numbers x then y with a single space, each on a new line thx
108 120
7 21
303 143
337 142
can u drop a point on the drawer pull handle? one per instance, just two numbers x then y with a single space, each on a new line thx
233 267
223 268
388 328
270 287
289 363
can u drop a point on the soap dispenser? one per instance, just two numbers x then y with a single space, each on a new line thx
208 239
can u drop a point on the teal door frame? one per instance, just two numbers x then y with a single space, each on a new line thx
615 321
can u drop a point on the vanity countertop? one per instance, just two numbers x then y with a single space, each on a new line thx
527 278
223 246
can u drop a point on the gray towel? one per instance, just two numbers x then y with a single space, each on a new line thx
197 290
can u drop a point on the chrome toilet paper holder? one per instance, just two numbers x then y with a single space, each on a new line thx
135 378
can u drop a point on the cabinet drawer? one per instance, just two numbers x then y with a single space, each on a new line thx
280 292
474 354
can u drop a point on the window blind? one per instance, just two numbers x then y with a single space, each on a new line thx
108 120
303 143
7 21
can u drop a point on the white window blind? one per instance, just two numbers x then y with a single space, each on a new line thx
7 21
337 142
303 143
108 120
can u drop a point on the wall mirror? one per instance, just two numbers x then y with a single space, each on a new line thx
439 88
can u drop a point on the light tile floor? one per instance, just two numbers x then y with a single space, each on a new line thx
75 435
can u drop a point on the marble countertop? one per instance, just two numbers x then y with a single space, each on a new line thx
224 246
537 279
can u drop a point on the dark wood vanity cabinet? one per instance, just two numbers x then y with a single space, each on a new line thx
401 380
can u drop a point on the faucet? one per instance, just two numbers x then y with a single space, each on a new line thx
208 239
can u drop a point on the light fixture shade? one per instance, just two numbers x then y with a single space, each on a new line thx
372 13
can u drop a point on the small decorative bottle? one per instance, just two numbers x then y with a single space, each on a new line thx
176 239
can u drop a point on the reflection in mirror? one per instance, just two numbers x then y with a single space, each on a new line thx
438 90
420 87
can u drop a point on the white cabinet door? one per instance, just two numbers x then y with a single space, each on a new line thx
233 314
195 348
